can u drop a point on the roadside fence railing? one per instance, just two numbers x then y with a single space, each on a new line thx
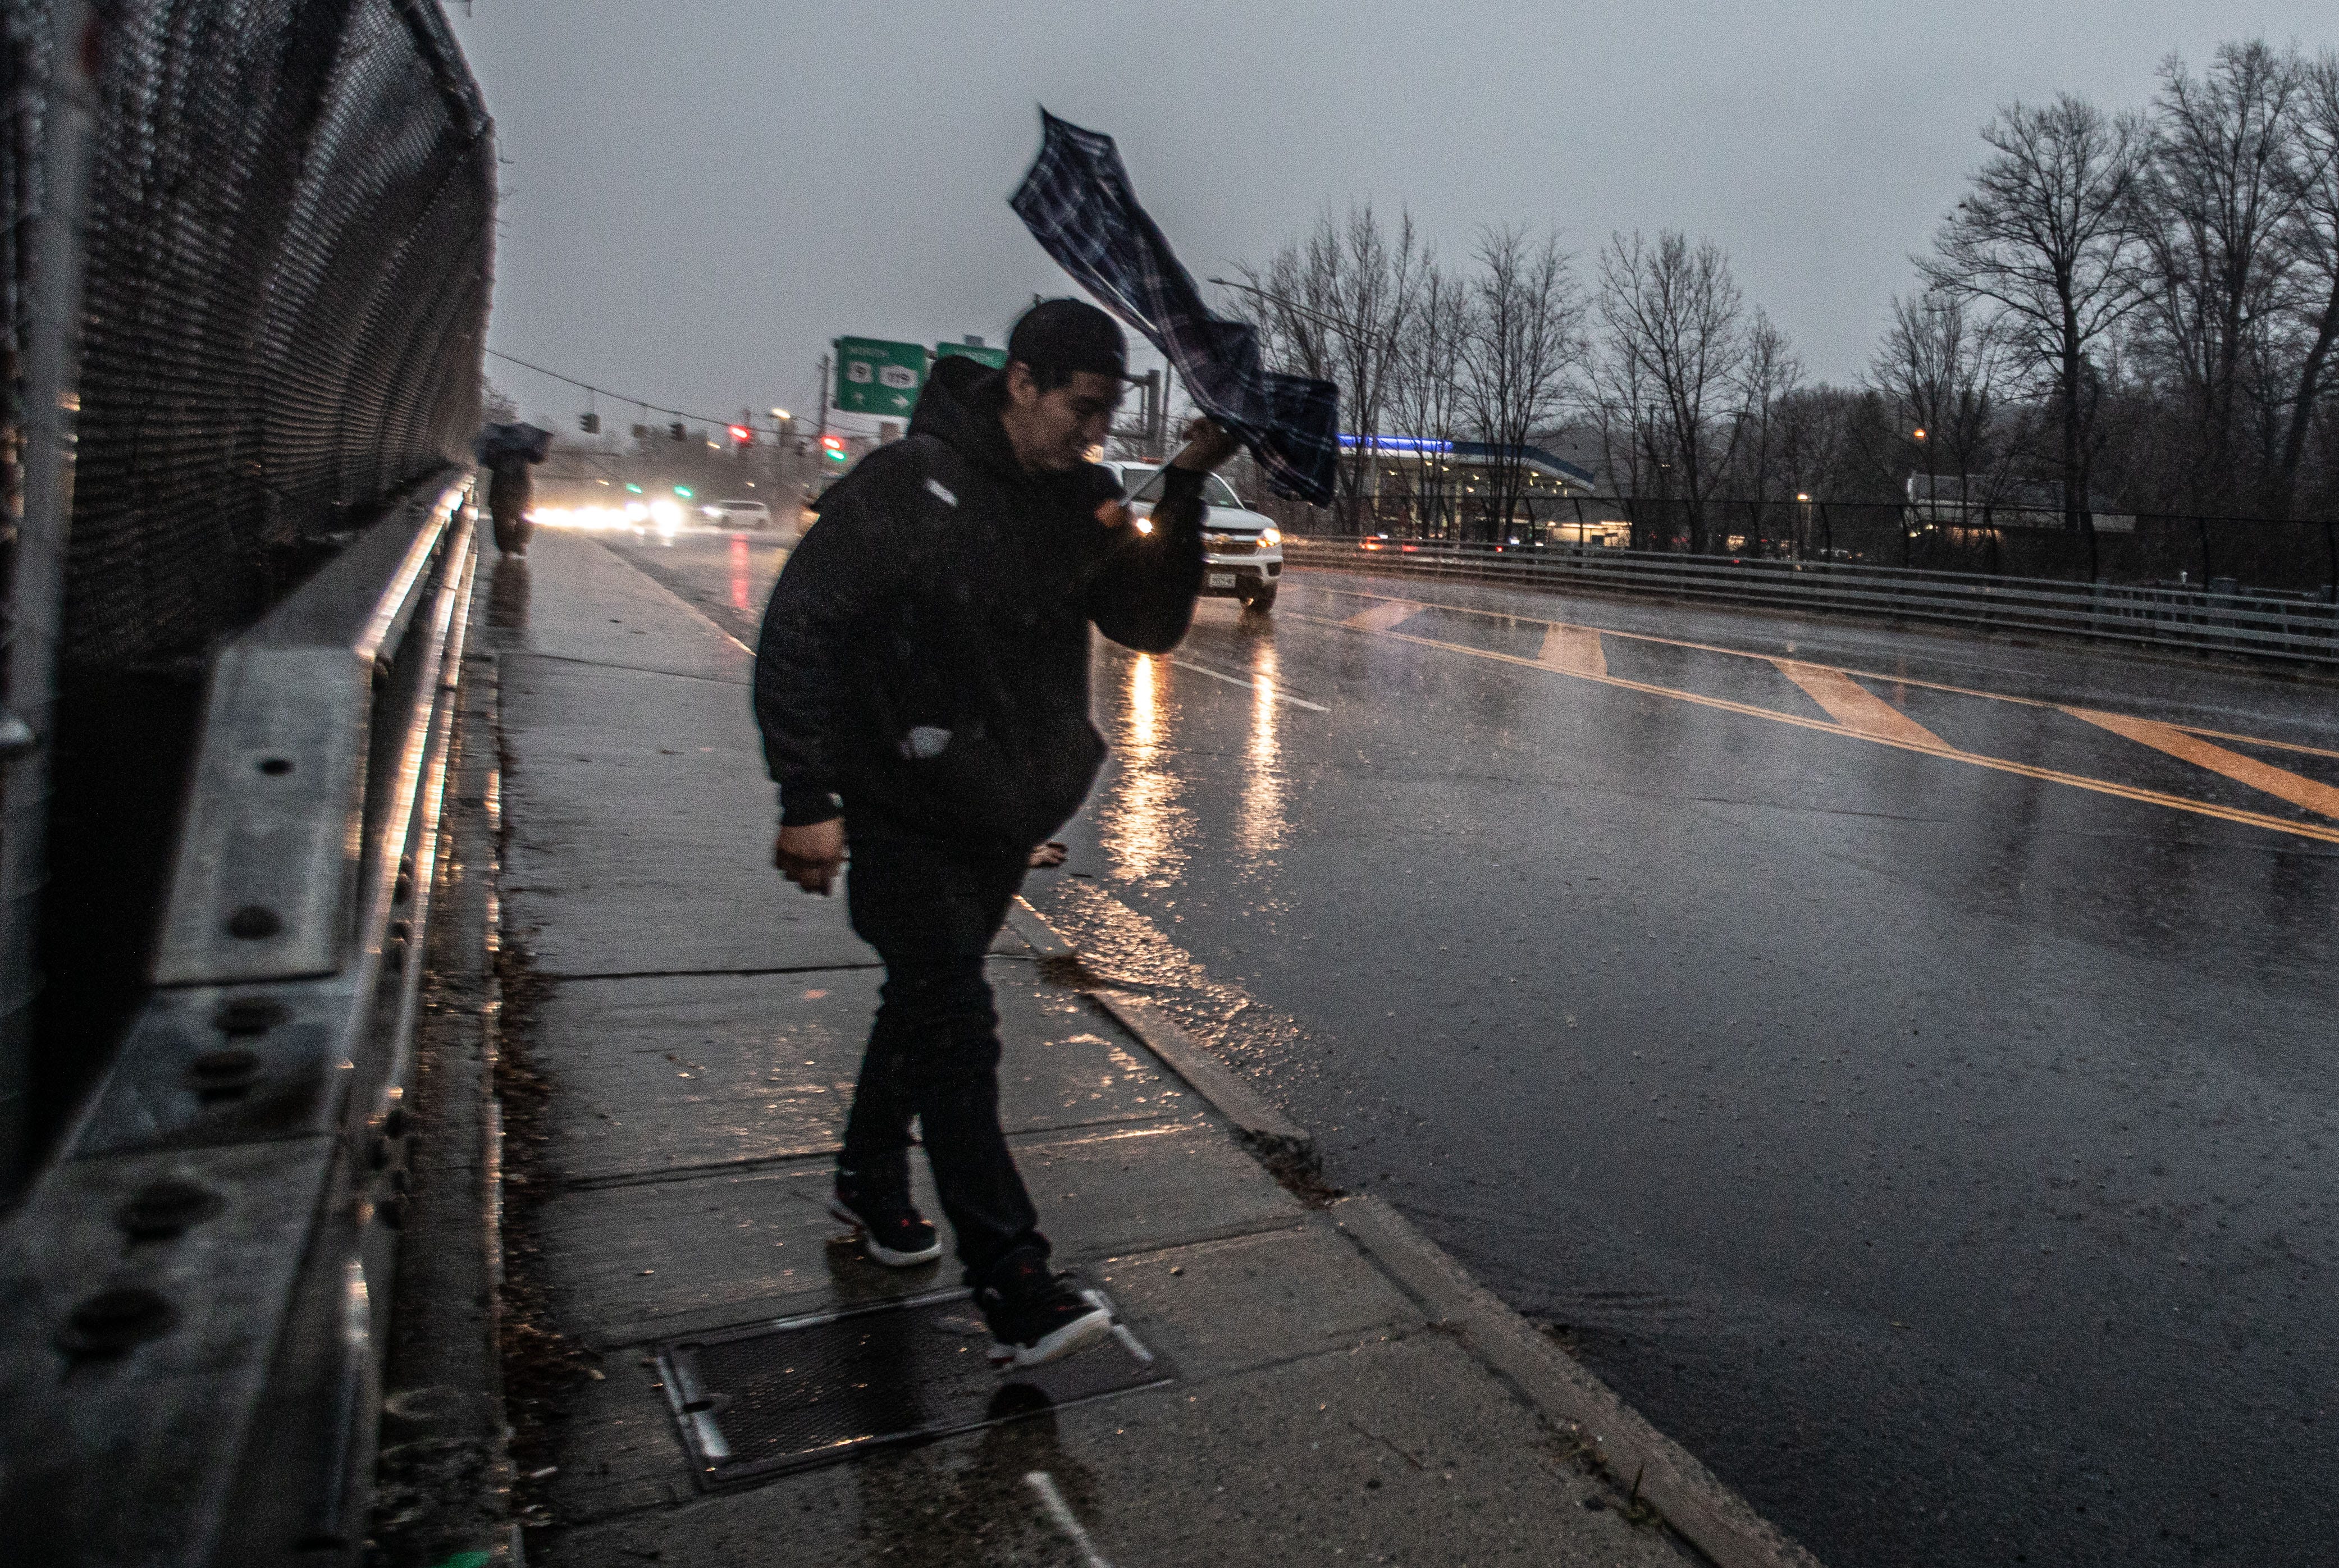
191 1294
2296 626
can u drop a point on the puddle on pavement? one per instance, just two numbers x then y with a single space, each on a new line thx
1121 947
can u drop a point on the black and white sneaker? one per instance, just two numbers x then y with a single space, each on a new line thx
1034 1317
893 1234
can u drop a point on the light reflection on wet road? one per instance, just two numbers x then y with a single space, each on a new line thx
1940 1151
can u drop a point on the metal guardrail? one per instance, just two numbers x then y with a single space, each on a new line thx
189 1365
2297 629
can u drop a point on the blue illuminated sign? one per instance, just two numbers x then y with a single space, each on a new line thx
1399 443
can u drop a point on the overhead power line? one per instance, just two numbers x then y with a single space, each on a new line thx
642 403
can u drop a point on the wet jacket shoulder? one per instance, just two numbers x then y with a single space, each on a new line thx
944 590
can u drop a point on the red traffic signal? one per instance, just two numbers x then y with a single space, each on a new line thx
742 434
835 447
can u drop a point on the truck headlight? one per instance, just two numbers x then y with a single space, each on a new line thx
1270 538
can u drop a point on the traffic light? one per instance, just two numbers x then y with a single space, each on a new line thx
677 433
589 423
742 435
835 447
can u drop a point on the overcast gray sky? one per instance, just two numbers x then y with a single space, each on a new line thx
698 196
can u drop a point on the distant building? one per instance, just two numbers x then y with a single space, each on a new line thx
1964 501
1422 484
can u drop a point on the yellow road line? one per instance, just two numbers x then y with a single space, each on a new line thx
1951 753
1380 617
2277 781
2245 740
1576 649
1853 705
1417 606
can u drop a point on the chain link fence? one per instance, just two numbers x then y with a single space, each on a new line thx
286 299
264 228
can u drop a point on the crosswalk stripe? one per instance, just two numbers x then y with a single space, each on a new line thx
1576 649
2280 783
1380 617
1853 705
1972 759
1902 680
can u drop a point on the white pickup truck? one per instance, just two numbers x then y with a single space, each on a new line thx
1242 552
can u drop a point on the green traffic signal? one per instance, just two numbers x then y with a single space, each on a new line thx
683 490
633 489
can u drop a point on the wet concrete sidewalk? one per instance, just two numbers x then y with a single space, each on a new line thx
1325 1387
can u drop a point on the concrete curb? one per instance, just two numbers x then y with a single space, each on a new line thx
1691 1499
1715 1519
1032 926
446 1467
1280 1143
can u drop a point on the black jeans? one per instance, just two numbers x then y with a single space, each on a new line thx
930 909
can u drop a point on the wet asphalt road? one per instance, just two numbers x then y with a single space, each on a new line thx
1936 1145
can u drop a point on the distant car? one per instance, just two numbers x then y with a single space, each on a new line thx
737 514
1242 551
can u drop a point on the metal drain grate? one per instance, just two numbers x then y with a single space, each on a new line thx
801 1391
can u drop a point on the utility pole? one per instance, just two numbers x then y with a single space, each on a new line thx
820 390
1157 412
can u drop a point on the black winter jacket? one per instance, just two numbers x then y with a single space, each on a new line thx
924 656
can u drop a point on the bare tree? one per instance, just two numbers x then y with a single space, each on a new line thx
1621 405
1525 342
1941 365
2213 196
1426 392
2045 234
1384 282
1676 324
2309 237
1335 306
1771 372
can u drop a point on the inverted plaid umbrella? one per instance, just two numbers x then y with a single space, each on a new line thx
1077 202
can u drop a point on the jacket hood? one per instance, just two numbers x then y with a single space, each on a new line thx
960 406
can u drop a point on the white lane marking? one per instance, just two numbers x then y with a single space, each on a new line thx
1051 1501
1256 683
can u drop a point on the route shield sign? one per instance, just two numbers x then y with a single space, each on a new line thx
995 358
875 377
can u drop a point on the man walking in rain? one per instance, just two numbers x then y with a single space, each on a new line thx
921 683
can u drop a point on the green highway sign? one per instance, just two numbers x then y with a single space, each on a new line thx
995 358
875 377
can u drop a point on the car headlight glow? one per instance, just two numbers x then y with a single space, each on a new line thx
1270 538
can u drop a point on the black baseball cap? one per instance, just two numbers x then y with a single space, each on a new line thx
1069 336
